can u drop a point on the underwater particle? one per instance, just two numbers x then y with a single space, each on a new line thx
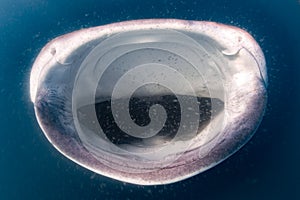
150 101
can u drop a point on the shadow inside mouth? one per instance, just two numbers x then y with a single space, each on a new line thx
139 112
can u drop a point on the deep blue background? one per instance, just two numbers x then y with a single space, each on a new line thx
266 168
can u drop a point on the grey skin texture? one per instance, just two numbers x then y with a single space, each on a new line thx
67 92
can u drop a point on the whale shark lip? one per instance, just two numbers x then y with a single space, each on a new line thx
59 88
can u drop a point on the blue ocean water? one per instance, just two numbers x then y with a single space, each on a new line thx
266 168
